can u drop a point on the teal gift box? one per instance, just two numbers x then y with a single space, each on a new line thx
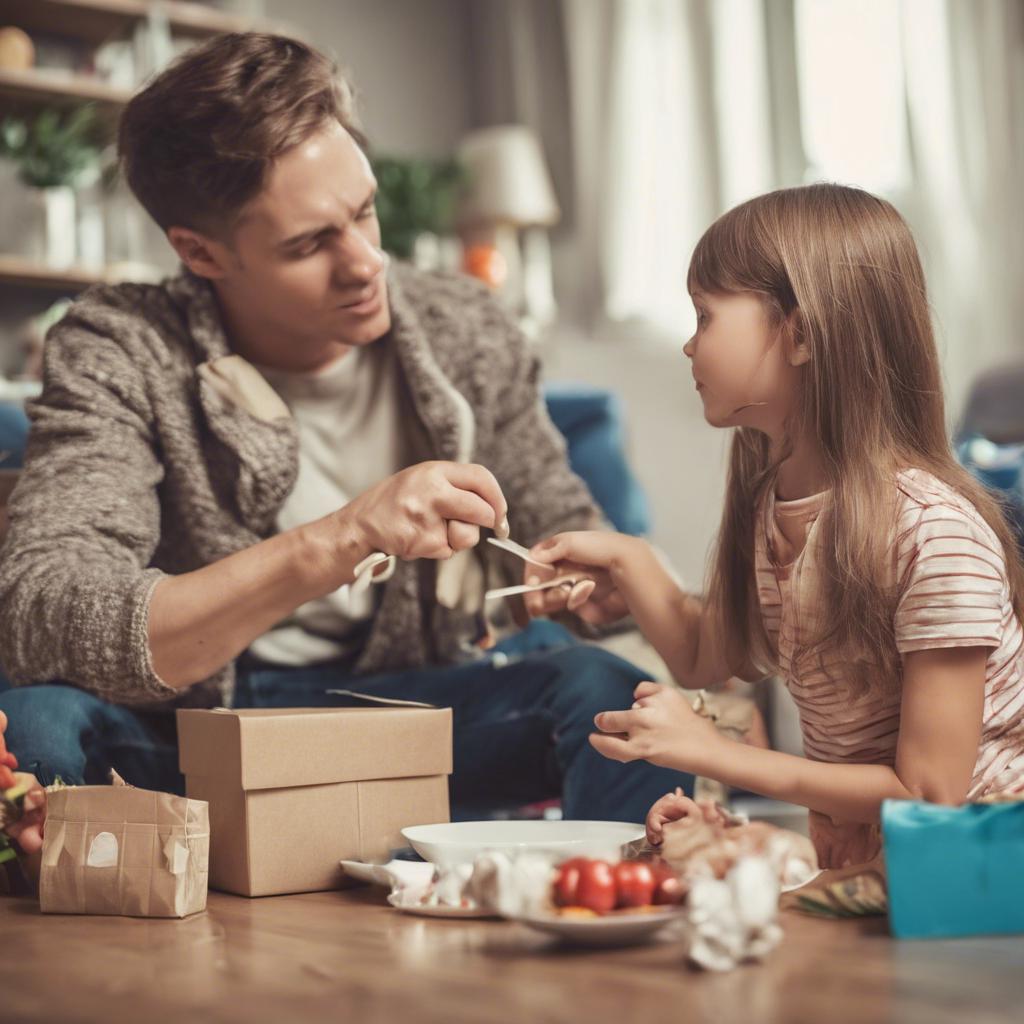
954 870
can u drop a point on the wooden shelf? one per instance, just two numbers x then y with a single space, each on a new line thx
16 270
47 87
192 19
99 20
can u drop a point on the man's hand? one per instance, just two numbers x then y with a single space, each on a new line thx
662 728
430 510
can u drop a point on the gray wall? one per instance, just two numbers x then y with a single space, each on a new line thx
409 61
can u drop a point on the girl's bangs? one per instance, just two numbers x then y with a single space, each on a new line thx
721 263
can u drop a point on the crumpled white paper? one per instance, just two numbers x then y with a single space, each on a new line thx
511 886
507 886
733 920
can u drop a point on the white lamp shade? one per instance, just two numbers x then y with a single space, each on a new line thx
508 180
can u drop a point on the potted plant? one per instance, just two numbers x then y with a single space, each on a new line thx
53 153
415 202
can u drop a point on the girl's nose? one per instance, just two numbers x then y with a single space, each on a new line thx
688 348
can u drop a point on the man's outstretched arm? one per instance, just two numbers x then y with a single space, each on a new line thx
79 601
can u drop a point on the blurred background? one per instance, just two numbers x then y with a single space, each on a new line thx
570 153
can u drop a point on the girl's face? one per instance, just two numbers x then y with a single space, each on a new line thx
747 369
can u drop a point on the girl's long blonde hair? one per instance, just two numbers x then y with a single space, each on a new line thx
839 267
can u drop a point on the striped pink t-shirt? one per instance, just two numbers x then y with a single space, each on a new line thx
949 575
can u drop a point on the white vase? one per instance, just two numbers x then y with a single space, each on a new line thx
59 227
91 249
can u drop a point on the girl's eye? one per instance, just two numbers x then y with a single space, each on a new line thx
702 318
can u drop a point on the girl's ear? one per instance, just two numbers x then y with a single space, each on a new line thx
797 350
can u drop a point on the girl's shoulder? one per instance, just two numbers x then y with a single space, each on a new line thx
930 512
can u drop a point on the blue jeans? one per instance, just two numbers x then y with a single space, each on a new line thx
521 722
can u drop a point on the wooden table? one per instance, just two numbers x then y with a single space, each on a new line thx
347 956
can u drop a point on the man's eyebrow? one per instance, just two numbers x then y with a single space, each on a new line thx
305 236
312 233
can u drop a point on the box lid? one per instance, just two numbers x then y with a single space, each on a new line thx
276 748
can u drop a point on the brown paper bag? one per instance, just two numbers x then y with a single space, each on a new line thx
120 850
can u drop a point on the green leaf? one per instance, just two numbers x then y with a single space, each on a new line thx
414 196
53 148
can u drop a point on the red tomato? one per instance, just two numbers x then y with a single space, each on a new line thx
668 888
634 883
567 882
596 889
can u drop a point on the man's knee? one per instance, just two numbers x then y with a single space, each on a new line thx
46 727
594 679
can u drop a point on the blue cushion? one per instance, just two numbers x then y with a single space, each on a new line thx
591 421
13 435
1000 467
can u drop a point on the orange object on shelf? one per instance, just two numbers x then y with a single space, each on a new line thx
486 263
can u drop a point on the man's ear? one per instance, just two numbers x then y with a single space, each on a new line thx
797 350
204 256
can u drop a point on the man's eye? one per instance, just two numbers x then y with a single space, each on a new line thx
367 211
307 250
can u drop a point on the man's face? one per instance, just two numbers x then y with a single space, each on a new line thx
307 260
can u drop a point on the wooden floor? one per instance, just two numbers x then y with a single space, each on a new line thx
347 956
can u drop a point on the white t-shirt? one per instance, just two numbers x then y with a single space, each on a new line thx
350 438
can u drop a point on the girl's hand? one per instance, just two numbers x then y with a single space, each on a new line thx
662 728
678 806
671 807
27 831
596 554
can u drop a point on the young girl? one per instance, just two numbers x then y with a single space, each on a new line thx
855 558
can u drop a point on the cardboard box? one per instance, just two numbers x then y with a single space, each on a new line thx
293 791
120 850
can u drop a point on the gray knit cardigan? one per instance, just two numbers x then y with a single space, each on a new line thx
136 469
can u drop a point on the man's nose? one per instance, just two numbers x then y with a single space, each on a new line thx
359 260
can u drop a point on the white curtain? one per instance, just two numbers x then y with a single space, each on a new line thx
964 67
682 108
672 123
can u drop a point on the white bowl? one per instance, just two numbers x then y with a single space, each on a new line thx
461 842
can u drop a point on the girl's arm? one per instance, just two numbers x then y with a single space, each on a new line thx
677 624
940 732
631 579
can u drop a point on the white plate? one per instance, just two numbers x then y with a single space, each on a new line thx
462 842
439 910
609 930
409 871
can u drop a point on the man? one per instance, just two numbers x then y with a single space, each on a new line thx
212 459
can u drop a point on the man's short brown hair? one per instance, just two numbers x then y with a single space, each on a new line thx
196 144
